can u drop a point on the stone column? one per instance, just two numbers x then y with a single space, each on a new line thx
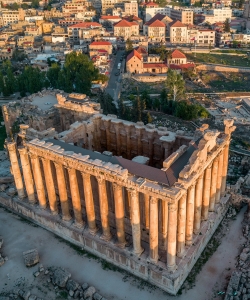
37 173
219 178
224 168
119 215
181 228
190 215
153 230
164 223
75 196
213 184
50 186
206 193
135 222
198 204
172 236
27 174
89 203
104 209
146 204
62 189
15 169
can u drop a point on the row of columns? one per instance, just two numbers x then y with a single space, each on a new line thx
179 220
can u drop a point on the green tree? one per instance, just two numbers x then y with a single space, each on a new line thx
129 45
31 80
227 25
150 119
241 2
146 98
107 103
175 84
53 75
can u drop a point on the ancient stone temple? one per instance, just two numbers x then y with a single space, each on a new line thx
144 198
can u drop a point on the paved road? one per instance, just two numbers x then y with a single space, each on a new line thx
113 87
239 151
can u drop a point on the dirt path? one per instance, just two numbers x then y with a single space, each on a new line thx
19 236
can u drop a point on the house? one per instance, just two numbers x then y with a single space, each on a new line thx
178 32
126 29
109 21
100 45
84 31
155 30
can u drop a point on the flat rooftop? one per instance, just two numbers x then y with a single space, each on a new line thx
168 177
45 102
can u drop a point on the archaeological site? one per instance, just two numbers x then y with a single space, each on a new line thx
143 198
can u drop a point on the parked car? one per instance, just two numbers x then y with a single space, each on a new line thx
117 74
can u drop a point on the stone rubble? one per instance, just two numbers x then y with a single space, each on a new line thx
31 257
239 284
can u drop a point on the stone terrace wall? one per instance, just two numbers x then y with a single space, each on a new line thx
221 68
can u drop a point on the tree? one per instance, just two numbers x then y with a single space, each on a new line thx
146 98
53 75
175 84
129 46
107 103
227 25
241 2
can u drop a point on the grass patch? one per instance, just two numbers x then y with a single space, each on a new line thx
221 59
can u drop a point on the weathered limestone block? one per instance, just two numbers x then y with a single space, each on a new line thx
97 296
3 187
60 277
31 257
89 292
72 285
11 192
26 295
2 261
84 286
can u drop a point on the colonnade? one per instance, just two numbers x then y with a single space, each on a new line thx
180 219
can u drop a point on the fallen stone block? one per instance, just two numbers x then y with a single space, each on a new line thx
3 187
41 268
72 285
243 256
1 241
76 294
31 257
8 179
11 192
97 296
32 297
89 292
36 274
71 293
60 277
26 295
85 286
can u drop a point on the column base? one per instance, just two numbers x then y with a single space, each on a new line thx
196 231
138 253
153 260
106 238
66 218
93 231
120 245
189 243
79 225
181 254
172 267
54 213
42 207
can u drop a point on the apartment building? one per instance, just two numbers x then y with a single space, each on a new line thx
84 31
217 15
155 30
11 16
246 12
131 8
186 16
73 7
222 38
126 29
202 37
109 21
178 32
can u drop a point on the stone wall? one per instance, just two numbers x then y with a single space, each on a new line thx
221 68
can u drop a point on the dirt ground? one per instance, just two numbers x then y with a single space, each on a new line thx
20 235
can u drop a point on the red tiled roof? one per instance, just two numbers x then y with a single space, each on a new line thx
101 43
157 23
134 18
85 25
177 54
134 53
109 17
141 50
154 65
125 23
157 17
152 4
176 24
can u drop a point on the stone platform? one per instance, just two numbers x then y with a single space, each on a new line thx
156 274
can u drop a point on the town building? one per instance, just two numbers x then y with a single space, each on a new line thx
126 29
84 31
100 45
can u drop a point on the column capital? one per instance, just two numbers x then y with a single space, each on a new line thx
172 206
100 179
132 192
85 175
11 146
153 200
116 186
216 159
22 150
33 155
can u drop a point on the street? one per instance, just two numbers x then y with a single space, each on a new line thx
113 87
